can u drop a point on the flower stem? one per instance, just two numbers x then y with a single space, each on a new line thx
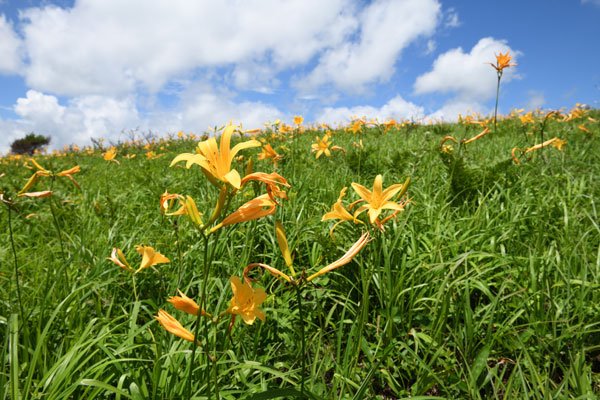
16 261
202 306
497 96
302 338
60 240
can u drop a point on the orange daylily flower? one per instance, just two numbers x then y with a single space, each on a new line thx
185 304
554 142
283 245
269 153
378 199
246 301
338 211
41 171
356 126
187 207
256 208
272 182
173 326
69 174
503 61
150 257
117 257
110 155
298 119
321 146
214 160
527 118
345 259
485 131
39 195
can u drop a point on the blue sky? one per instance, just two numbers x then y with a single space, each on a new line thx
77 70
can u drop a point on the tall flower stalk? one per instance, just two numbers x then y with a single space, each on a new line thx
502 61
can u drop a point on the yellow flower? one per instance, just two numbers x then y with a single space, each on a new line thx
502 61
378 199
527 118
356 126
389 124
338 211
150 257
321 146
298 120
583 128
246 301
173 326
110 155
345 259
216 161
256 208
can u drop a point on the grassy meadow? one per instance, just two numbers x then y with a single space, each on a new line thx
483 283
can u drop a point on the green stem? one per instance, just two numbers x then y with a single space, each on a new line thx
134 287
199 316
497 96
302 338
180 260
16 262
60 240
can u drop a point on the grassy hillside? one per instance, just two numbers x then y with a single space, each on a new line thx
485 285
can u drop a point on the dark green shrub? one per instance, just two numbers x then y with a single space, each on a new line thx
29 144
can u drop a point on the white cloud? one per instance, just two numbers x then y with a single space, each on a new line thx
452 108
397 108
535 100
10 48
82 118
108 47
384 28
467 75
40 107
431 46
86 117
209 108
452 20
594 2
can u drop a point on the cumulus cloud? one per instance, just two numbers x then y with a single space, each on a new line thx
10 48
86 117
81 119
467 75
207 108
396 108
108 48
384 28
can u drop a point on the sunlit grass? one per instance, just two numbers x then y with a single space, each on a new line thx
485 286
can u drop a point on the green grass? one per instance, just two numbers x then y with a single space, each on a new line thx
487 286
